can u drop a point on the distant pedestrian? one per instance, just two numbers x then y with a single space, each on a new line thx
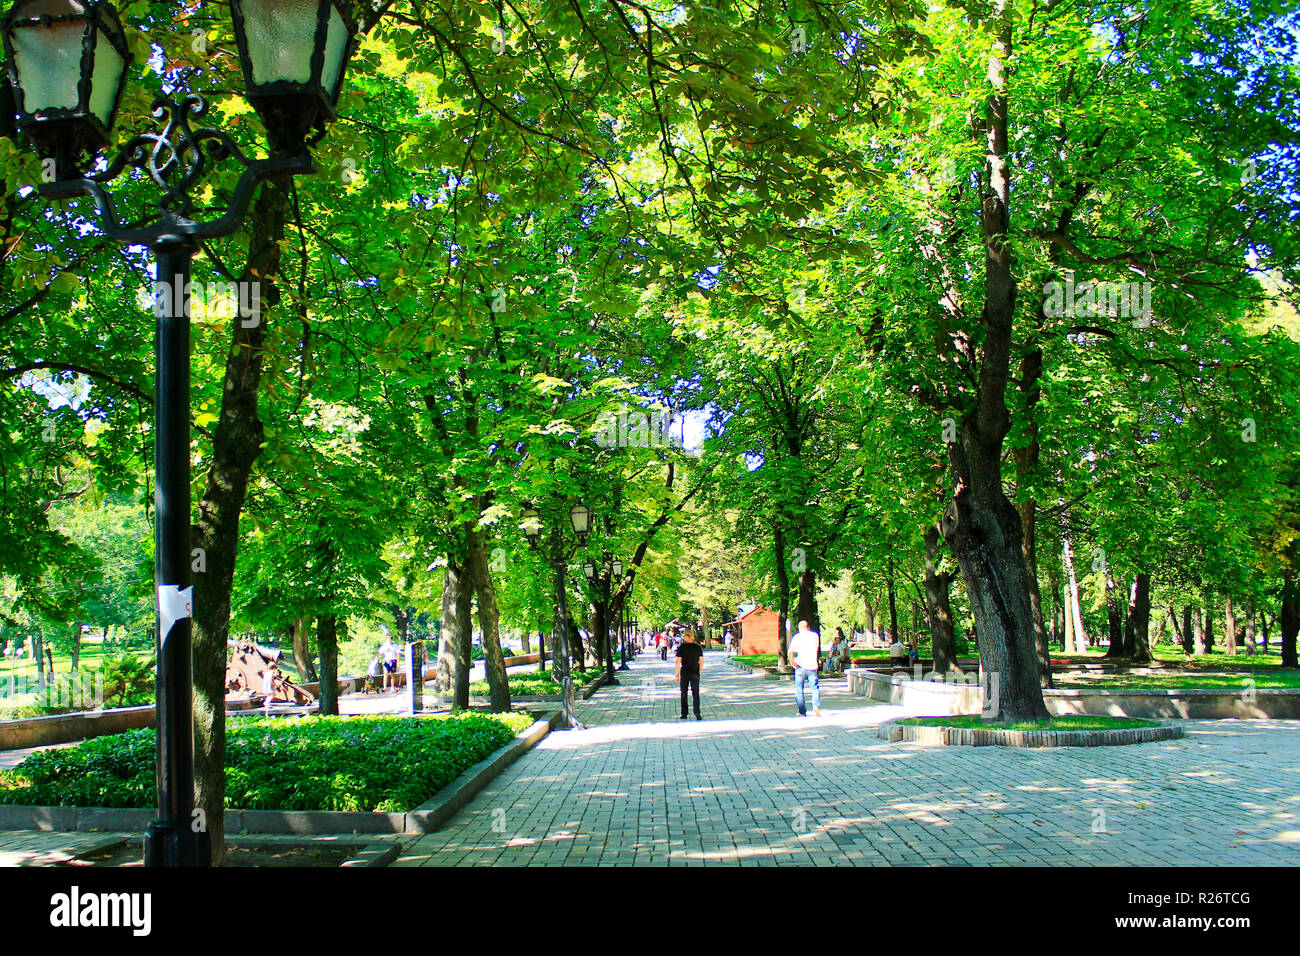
662 641
727 639
690 660
388 651
805 653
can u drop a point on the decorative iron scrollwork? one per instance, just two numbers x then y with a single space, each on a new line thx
176 157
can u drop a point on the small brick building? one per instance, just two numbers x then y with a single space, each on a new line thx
758 631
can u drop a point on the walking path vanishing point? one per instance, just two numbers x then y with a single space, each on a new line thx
752 784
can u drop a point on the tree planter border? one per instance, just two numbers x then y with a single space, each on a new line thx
425 818
777 672
932 698
582 693
1000 737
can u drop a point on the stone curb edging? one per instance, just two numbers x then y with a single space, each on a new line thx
997 737
760 671
65 728
777 673
581 693
375 854
429 816
423 819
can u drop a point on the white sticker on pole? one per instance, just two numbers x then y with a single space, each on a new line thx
174 604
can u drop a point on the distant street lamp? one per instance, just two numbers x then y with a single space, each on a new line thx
622 617
580 518
532 525
67 62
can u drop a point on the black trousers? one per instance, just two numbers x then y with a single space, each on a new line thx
690 682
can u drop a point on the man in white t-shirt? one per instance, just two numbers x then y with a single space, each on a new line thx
805 650
388 651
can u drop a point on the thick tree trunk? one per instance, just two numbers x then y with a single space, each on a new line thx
1139 619
783 598
1229 627
1290 616
992 565
1073 608
464 640
1180 633
869 616
1026 458
598 619
402 623
808 600
1189 631
236 444
488 624
1114 620
454 635
300 640
1055 582
938 606
893 605
1198 632
38 651
1251 649
1209 622
982 526
1070 643
327 638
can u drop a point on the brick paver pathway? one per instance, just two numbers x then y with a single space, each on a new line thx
754 785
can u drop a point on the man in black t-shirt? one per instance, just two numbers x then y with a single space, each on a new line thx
690 658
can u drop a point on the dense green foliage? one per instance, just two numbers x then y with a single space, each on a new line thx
388 764
828 241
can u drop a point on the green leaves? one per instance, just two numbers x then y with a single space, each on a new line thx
384 764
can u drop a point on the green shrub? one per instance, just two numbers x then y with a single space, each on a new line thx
538 683
128 680
389 764
12 711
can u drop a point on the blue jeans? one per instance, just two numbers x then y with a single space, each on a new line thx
802 674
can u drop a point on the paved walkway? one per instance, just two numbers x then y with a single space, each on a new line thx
753 784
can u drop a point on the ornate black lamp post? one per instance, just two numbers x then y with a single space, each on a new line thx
622 617
67 62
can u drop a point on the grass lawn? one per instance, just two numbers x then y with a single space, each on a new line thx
756 660
92 656
1279 679
1173 654
1056 723
389 764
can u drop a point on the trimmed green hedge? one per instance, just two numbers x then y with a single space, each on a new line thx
539 683
389 764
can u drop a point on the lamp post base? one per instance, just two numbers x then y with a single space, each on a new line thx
167 843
